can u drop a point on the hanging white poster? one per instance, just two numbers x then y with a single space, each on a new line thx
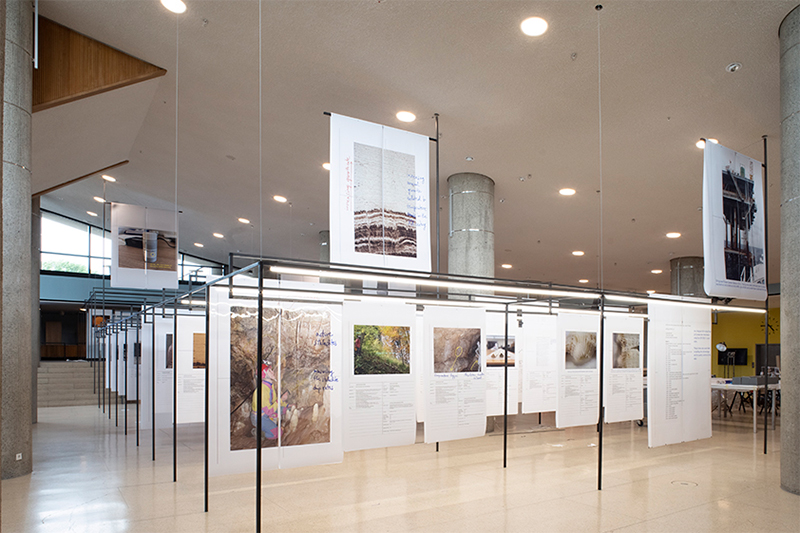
579 375
540 364
678 374
144 247
379 196
733 225
379 374
496 347
455 384
623 360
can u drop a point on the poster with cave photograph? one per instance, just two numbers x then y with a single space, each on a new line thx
733 225
144 251
379 367
379 195
495 350
579 375
624 360
455 373
299 376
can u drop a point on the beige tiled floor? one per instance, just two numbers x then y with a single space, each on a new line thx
90 477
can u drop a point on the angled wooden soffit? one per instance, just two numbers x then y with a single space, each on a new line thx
73 66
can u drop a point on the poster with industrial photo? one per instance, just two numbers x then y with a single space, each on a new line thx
379 196
294 376
144 248
733 225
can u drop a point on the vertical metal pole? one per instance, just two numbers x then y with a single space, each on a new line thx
601 422
153 383
116 376
259 399
208 362
125 362
505 393
137 358
175 391
436 129
766 301
102 342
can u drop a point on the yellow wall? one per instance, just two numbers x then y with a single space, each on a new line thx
742 330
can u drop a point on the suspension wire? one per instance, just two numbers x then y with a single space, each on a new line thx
260 163
599 8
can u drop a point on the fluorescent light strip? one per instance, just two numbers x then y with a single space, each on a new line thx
430 283
711 307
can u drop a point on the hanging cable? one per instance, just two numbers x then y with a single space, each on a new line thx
599 8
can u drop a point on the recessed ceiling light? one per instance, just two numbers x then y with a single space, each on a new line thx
469 158
577 253
280 199
199 244
733 67
82 309
326 166
218 235
505 265
406 116
91 213
176 6
534 26
99 200
109 178
700 144
566 192
583 281
656 271
244 221
651 291
713 141
673 235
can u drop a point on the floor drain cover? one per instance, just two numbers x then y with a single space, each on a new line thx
685 483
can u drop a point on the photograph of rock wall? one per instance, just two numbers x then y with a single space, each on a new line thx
383 181
296 402
626 350
381 350
580 350
456 350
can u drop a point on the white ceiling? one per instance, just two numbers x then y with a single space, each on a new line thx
522 107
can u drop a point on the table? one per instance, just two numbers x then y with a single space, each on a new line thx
725 387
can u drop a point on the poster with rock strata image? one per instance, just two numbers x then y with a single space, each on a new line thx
294 375
456 350
580 350
626 350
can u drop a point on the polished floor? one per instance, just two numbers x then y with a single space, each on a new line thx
89 477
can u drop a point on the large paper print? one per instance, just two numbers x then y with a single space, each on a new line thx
456 350
381 349
733 225
144 253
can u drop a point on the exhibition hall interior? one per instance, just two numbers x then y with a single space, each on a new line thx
400 265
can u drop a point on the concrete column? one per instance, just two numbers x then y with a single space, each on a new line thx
325 246
2 69
790 251
686 276
16 228
471 237
36 316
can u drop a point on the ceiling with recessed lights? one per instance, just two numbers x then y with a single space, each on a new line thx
529 112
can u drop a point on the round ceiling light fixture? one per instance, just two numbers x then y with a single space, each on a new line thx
733 67
199 244
91 213
566 191
651 291
280 199
656 271
406 116
176 6
505 265
577 253
326 166
533 26
99 200
673 235
583 281
112 179
244 220
218 235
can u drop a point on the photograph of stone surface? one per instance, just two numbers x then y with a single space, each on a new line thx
495 350
456 350
295 400
580 350
381 349
626 350
383 189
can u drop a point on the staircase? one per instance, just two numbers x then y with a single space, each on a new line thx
64 383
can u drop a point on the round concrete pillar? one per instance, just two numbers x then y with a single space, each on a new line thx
686 277
16 230
790 251
471 237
